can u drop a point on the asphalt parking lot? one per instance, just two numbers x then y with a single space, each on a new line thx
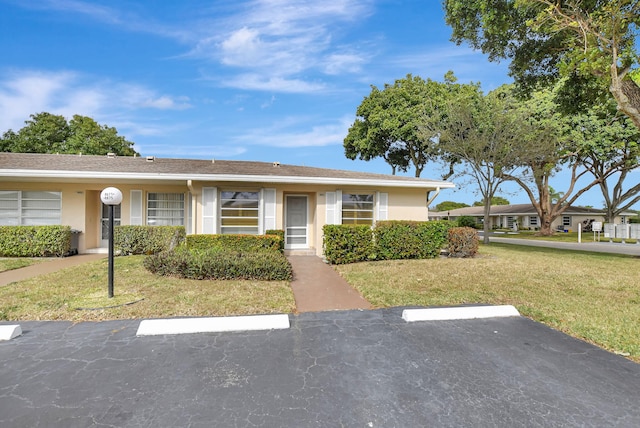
330 369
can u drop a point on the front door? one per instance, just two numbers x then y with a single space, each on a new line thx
104 223
296 229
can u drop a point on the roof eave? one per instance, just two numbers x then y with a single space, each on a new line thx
49 174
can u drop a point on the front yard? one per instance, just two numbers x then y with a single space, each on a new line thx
80 294
591 296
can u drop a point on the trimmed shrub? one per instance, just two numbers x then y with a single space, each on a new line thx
279 233
215 264
462 242
243 243
399 239
466 221
348 243
130 240
34 241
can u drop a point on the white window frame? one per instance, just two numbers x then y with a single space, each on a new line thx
25 197
166 220
354 218
566 220
241 229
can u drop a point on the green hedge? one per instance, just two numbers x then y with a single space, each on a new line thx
130 240
388 240
242 243
402 239
466 221
279 233
348 243
34 241
216 264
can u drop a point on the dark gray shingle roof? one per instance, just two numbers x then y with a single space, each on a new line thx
168 167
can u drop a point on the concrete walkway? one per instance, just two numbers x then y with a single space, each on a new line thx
49 266
317 287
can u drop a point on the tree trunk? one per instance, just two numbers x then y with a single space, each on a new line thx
486 227
626 94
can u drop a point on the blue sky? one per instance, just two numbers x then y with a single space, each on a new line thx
266 80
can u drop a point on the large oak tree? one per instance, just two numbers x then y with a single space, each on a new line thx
402 123
49 133
589 43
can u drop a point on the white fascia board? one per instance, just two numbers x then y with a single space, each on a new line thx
224 178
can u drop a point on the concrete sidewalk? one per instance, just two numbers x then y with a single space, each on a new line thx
49 266
585 245
317 287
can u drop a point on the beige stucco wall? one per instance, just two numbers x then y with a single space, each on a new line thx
81 205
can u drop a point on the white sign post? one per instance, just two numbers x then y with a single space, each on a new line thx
111 196
596 226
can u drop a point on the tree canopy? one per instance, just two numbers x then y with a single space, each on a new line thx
401 123
49 133
450 205
610 149
483 135
547 146
590 45
496 200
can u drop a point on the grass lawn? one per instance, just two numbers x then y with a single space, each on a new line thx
10 263
591 296
78 293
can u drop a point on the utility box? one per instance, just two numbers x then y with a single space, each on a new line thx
75 238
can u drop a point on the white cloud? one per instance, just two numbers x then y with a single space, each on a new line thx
467 64
302 135
23 93
275 41
343 62
272 83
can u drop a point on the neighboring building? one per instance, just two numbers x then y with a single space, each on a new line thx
206 196
524 216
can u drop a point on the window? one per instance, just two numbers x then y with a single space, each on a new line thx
30 208
239 212
165 209
533 221
566 220
357 209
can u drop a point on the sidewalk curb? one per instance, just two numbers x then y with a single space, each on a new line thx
8 332
459 313
212 324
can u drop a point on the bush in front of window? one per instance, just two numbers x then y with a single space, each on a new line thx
401 239
279 233
348 243
462 242
466 221
388 240
235 242
133 240
34 241
217 264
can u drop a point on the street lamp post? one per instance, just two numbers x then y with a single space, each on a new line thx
111 196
